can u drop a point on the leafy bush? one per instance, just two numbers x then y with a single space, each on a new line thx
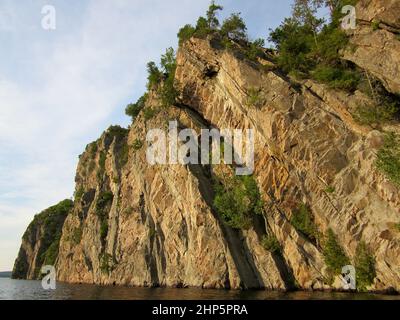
388 158
134 109
334 256
92 148
51 254
154 75
102 161
137 145
337 77
185 33
307 47
103 200
202 28
375 25
330 189
79 193
168 91
103 230
385 106
271 244
365 266
294 43
106 262
149 113
237 201
117 131
123 154
129 210
303 222
254 97
77 235
376 114
163 80
255 50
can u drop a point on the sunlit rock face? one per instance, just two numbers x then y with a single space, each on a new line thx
375 43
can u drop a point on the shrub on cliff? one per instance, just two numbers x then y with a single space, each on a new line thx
302 220
365 266
154 75
255 49
133 109
204 26
77 235
375 114
237 200
271 244
103 200
388 158
337 77
79 193
103 230
334 255
309 48
102 165
162 80
294 42
185 33
168 92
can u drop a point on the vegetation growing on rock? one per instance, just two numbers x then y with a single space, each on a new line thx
271 243
134 109
45 229
365 266
334 255
388 160
303 221
237 200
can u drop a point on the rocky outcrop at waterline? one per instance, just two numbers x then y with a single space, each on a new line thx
157 225
41 241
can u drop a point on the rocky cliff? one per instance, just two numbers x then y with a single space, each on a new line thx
142 225
376 40
41 241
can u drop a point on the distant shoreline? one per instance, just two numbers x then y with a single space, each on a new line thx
5 274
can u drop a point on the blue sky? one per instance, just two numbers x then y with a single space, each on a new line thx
60 89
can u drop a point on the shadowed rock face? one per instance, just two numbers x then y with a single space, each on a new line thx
141 225
41 241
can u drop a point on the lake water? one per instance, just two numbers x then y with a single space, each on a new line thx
32 290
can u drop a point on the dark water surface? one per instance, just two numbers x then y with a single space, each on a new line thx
32 290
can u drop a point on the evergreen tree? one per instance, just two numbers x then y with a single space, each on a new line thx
234 28
212 20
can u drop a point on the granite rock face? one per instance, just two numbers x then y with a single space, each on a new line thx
375 43
161 225
143 225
